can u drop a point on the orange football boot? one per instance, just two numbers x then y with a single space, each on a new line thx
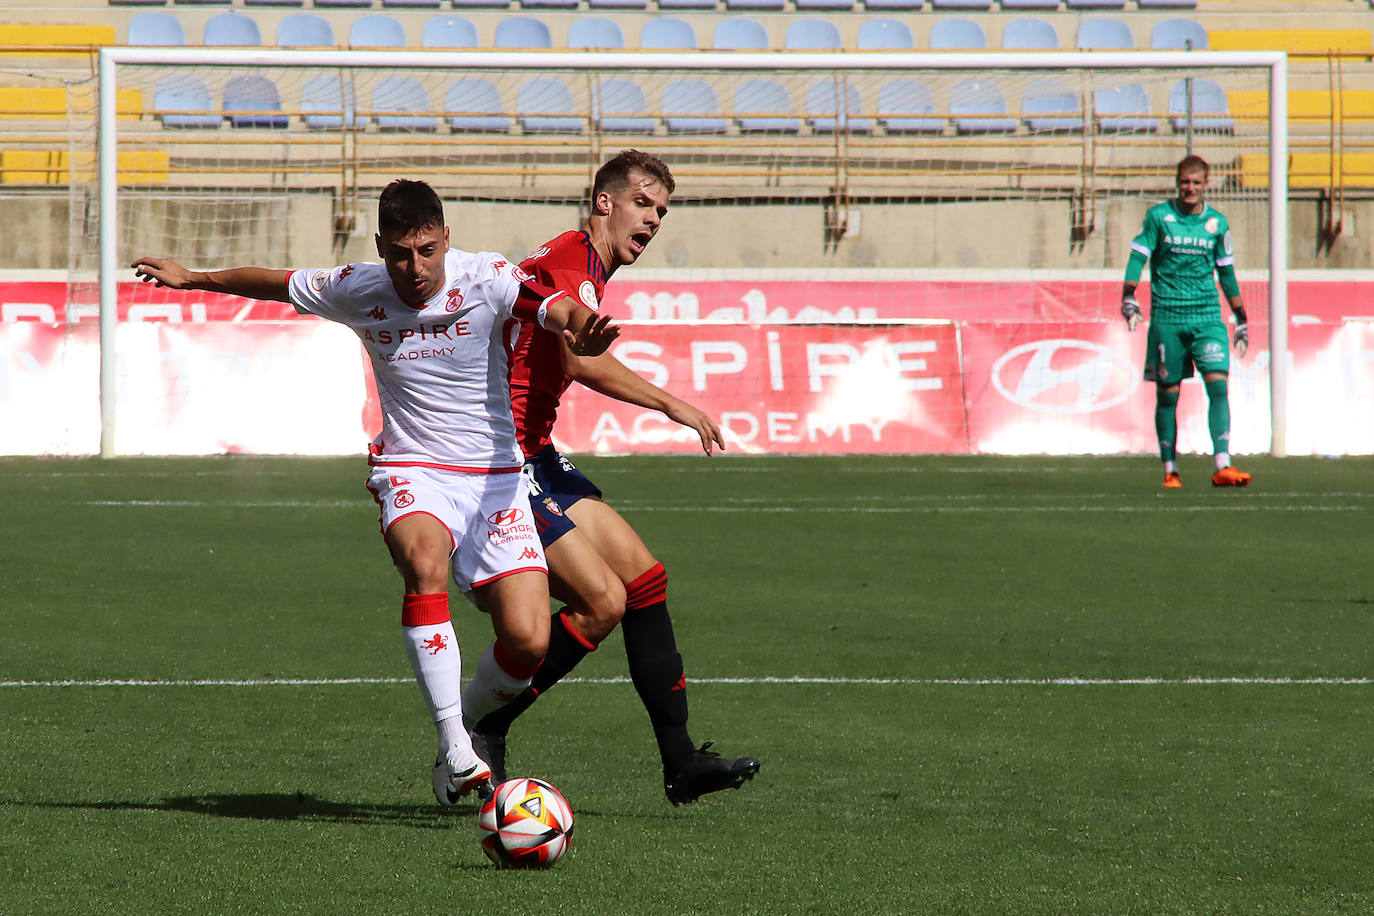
1230 477
1172 482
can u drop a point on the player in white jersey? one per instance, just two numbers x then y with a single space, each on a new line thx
446 466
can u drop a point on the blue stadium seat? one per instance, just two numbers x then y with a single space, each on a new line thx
257 95
1170 4
448 32
274 2
473 4
667 35
961 4
1051 105
620 105
1017 5
833 6
1124 109
764 97
304 30
1029 34
592 32
328 103
1095 4
522 32
156 29
1178 35
691 106
376 31
686 4
355 4
827 114
956 34
1104 35
978 107
474 103
874 6
545 105
232 30
618 4
739 34
185 101
548 4
885 35
812 35
907 106
775 6
144 2
1211 111
402 103
413 4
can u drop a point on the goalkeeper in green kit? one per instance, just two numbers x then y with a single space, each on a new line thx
1185 241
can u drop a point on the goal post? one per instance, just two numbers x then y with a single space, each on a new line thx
837 164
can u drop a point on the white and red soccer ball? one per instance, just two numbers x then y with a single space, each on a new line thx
526 823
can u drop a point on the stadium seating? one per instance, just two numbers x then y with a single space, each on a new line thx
33 103
327 102
448 32
593 32
157 29
232 30
258 98
43 38
1166 4
183 100
376 31
873 6
978 107
756 99
1178 34
739 34
1104 34
1021 5
545 105
691 106
1310 41
885 35
1049 104
826 115
667 34
412 4
812 35
304 30
775 6
475 4
474 103
1121 109
686 4
548 4
1029 34
621 106
907 106
401 103
956 34
522 32
961 4
618 4
833 6
274 2
1210 110
1095 4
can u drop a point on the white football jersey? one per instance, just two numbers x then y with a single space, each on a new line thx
442 370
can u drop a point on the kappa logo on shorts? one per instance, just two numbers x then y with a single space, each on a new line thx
403 499
552 506
435 644
505 517
529 553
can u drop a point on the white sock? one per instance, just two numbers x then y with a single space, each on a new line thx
491 688
1171 467
438 667
1222 460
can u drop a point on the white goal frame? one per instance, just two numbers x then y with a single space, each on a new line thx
1275 62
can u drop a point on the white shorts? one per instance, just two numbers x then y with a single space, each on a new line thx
487 515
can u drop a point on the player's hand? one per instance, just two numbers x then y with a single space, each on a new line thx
163 272
1130 310
1241 339
697 419
594 337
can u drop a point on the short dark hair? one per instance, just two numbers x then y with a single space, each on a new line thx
615 174
407 205
1192 163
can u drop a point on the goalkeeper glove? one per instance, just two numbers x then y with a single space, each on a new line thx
1130 310
1241 340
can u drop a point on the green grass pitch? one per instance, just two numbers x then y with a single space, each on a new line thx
977 685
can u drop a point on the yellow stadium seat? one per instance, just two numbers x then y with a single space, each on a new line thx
1294 41
1306 105
53 167
49 103
1309 170
24 40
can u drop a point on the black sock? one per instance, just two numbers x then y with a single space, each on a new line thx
657 673
565 651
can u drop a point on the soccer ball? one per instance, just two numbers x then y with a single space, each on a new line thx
526 823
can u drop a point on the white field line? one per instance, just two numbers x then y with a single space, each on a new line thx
757 682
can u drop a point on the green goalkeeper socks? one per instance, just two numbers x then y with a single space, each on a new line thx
1166 421
1219 415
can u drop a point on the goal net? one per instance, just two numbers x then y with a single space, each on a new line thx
865 252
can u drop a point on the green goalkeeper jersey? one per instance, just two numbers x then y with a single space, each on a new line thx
1184 251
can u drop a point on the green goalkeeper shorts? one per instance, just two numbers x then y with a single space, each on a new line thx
1173 350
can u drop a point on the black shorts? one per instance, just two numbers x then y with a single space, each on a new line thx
555 484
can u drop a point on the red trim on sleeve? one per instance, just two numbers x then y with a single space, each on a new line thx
426 610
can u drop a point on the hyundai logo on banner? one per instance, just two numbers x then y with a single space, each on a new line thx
1064 376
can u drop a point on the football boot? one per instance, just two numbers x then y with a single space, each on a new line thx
1230 477
1172 481
706 771
456 774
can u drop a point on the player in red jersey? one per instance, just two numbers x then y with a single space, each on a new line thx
445 467
598 566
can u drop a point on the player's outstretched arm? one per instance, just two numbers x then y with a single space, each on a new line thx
609 376
584 331
249 282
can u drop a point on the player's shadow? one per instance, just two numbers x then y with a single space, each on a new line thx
287 806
